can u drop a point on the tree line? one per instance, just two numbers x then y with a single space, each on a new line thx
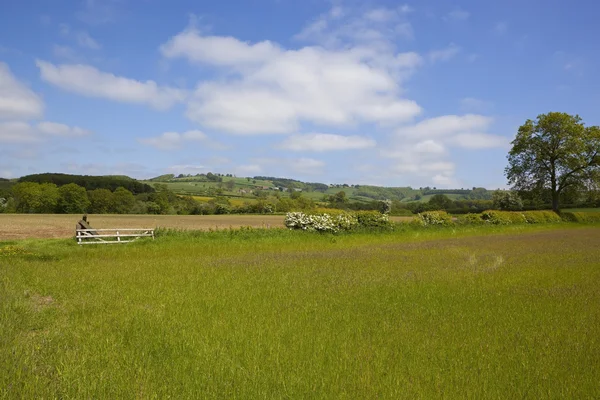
89 182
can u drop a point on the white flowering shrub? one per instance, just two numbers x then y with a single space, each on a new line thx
320 222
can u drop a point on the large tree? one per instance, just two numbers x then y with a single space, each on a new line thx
552 153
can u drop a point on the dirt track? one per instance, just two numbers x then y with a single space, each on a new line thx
26 226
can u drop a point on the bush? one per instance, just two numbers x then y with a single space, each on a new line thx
470 219
372 219
434 218
336 221
320 222
503 217
580 216
541 217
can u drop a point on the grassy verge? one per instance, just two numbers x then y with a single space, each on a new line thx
476 312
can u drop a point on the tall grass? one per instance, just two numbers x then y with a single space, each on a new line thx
468 312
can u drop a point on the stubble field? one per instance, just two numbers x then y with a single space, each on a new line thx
46 226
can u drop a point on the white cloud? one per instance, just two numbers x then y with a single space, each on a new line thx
248 170
375 27
188 169
85 40
444 54
65 52
173 140
429 147
17 132
422 149
56 129
457 15
17 101
405 9
217 50
307 166
274 90
23 132
381 14
82 38
445 126
480 141
88 81
326 142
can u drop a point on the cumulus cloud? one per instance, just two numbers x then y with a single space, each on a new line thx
480 141
173 140
88 81
24 132
56 129
445 126
17 101
423 149
217 50
326 142
271 90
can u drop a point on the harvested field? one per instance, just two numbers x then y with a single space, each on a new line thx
44 226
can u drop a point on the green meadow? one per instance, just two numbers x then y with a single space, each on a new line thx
465 312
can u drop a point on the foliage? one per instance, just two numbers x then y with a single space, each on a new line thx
507 200
73 199
91 182
580 216
541 217
123 200
503 217
470 219
33 197
434 218
319 222
372 219
554 152
440 202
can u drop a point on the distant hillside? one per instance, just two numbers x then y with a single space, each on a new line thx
315 190
110 182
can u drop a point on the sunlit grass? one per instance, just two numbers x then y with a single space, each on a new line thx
472 312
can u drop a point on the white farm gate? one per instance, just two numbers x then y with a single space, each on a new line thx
107 236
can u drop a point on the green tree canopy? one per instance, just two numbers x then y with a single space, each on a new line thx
102 201
123 201
440 202
553 152
31 197
73 199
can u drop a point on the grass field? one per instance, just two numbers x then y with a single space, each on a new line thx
487 312
41 226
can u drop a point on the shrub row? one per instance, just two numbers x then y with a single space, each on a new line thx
433 218
441 218
336 221
580 216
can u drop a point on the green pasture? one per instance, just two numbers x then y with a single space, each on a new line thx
463 312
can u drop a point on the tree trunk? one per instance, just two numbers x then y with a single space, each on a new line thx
555 195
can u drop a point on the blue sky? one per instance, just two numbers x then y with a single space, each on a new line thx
426 93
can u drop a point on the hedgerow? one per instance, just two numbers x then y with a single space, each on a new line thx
434 218
336 222
580 216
